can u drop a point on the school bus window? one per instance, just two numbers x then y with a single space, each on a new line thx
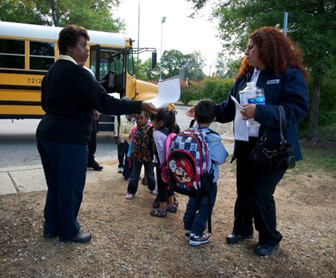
12 54
130 63
103 70
118 64
41 55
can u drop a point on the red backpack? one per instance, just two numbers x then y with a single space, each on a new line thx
186 168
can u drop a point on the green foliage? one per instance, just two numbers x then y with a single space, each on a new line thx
144 71
174 62
93 15
191 92
233 67
17 11
216 89
170 62
327 113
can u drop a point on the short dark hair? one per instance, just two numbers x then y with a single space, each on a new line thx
69 36
205 111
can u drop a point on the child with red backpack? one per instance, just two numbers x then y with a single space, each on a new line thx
200 206
164 124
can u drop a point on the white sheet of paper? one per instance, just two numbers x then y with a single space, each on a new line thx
169 92
240 125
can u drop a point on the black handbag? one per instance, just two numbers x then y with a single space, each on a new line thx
269 154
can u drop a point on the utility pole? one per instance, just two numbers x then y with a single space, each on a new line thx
163 20
138 42
285 23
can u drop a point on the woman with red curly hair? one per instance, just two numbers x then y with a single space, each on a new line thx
274 63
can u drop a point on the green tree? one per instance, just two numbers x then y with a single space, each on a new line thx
92 14
17 11
311 24
144 70
232 68
173 62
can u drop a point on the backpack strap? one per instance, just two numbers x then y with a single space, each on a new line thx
192 123
168 142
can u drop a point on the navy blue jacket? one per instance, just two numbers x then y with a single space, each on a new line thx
69 95
288 89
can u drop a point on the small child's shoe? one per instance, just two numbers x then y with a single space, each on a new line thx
159 213
198 240
171 208
129 196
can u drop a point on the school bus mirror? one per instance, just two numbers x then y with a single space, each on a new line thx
154 57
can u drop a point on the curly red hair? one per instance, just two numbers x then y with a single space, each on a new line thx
277 51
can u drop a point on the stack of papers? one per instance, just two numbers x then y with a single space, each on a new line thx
169 92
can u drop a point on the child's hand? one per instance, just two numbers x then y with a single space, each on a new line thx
190 112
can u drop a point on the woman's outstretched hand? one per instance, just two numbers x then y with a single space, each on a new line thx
149 108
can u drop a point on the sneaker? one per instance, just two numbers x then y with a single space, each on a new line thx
236 238
187 235
171 208
158 213
198 240
120 169
129 196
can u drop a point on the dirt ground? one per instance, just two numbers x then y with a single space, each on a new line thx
128 242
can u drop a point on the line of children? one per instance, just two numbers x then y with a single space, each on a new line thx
148 142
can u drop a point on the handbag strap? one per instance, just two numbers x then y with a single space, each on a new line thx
282 124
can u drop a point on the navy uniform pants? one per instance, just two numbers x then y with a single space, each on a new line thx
255 200
65 172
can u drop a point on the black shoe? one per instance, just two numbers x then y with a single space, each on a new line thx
265 249
95 165
49 235
144 181
234 238
79 238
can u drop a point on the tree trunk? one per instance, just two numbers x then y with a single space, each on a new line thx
314 109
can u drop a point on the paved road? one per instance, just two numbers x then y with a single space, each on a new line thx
18 145
20 165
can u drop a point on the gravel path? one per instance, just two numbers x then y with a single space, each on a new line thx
128 242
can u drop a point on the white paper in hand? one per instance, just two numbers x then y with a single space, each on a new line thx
169 92
240 125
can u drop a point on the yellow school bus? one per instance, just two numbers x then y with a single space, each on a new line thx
27 51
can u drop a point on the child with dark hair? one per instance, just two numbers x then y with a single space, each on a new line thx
164 124
142 154
199 209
